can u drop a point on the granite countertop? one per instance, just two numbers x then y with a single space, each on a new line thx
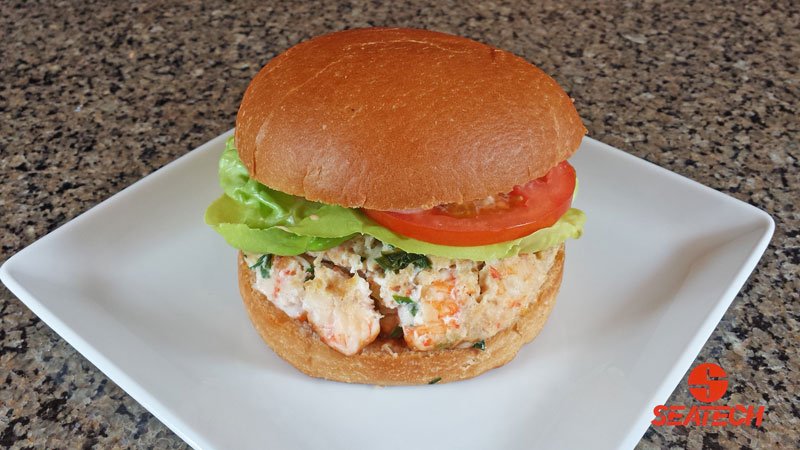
95 97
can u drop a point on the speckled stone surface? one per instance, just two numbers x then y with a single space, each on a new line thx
94 97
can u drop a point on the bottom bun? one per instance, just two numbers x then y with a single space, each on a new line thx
390 361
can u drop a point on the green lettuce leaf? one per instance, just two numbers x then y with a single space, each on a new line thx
255 218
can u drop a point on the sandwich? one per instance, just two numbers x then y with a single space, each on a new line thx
400 199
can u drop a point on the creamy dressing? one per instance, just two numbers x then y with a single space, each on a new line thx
284 285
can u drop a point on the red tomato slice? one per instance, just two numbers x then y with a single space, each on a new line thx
499 218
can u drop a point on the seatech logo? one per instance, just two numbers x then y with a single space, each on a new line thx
708 383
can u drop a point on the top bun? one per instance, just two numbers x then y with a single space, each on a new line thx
392 118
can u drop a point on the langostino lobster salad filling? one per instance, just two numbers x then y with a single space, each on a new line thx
354 292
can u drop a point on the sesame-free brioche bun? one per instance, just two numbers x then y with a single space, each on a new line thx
391 118
389 361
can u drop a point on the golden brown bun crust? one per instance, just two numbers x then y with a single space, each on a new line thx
294 341
389 118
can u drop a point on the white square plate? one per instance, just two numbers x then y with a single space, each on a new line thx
147 292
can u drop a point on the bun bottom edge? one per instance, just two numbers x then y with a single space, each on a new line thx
389 361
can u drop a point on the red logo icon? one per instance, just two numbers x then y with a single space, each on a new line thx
708 382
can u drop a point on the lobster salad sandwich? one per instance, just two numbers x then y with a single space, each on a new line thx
401 200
